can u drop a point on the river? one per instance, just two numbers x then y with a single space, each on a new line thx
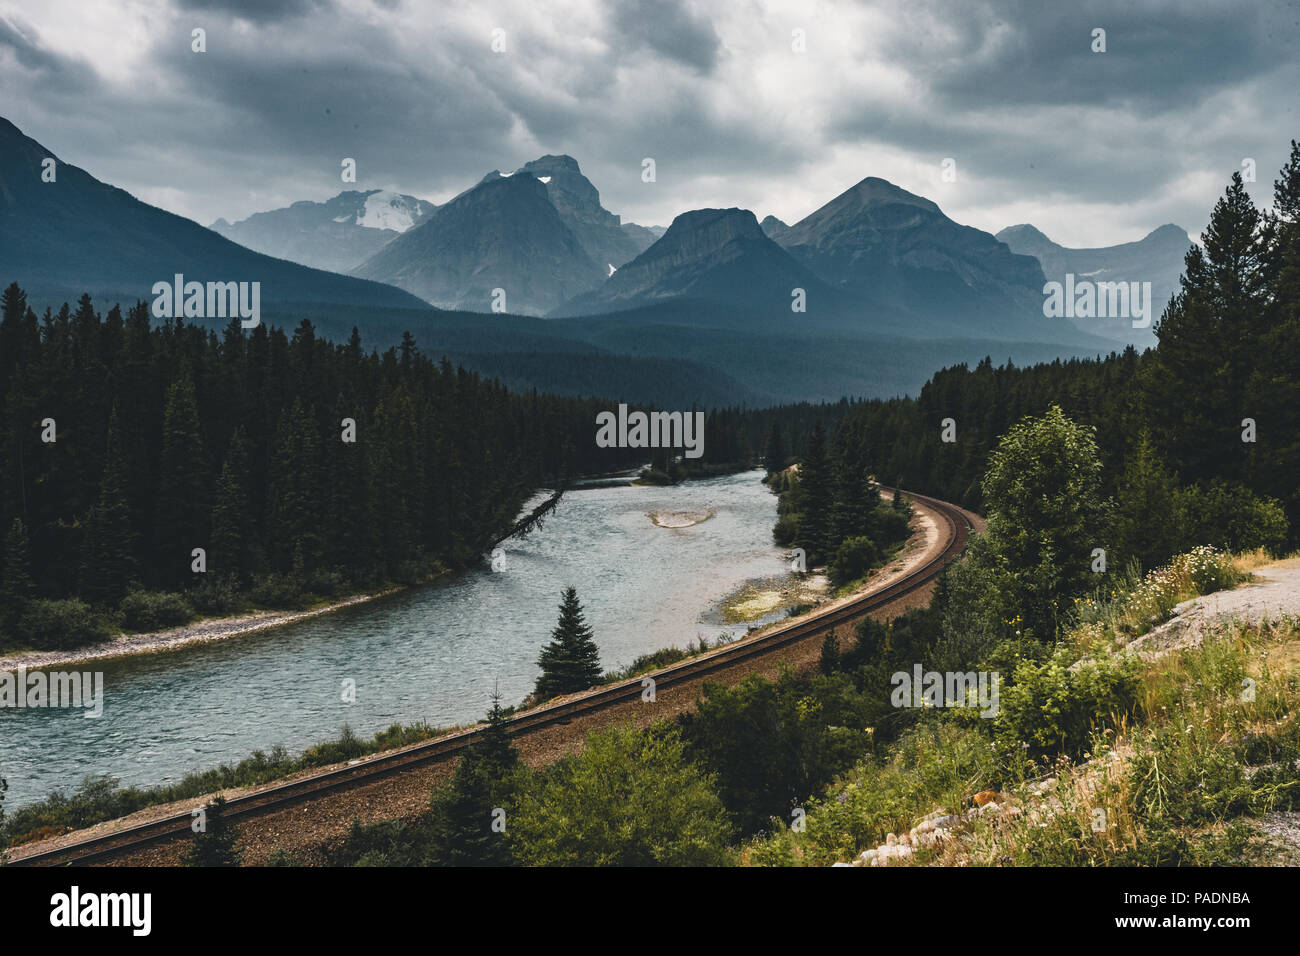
431 654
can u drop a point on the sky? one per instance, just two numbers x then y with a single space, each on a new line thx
771 106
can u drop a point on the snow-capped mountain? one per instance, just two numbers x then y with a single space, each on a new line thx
338 234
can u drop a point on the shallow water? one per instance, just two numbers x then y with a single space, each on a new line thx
433 654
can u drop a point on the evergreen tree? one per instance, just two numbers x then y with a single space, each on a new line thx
817 499
571 662
829 661
1209 340
495 747
856 497
1273 391
109 551
16 588
294 507
215 845
468 813
232 545
1045 514
12 338
1145 525
774 449
182 500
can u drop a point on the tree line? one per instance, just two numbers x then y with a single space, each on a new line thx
299 466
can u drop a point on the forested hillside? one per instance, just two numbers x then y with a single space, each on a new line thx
1199 438
126 447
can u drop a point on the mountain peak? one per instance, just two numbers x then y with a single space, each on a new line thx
1170 231
1024 231
504 233
736 223
717 255
577 201
551 164
873 189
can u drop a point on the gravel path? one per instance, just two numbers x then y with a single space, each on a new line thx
1274 594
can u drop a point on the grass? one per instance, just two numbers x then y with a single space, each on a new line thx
1206 744
1133 604
1212 744
646 663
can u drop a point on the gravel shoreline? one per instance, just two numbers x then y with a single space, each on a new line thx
199 632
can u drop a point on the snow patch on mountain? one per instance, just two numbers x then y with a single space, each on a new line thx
385 209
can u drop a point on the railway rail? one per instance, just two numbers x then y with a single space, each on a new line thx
106 846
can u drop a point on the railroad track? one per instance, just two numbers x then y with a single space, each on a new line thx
100 848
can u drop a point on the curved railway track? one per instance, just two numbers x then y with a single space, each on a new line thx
368 770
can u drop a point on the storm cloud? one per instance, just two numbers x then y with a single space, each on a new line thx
775 107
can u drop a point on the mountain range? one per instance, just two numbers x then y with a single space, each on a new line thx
338 234
891 287
1156 258
887 247
75 234
539 234
504 234
713 255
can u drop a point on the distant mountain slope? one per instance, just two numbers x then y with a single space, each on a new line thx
773 227
76 234
643 236
881 242
578 203
338 234
716 255
1156 258
504 233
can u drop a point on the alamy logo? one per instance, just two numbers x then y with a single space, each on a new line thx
683 430
948 689
131 910
20 690
213 300
1085 299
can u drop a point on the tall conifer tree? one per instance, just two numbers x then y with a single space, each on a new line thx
571 662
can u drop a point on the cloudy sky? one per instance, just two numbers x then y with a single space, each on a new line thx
1094 148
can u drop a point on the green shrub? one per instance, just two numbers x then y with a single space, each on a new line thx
889 525
281 592
1229 516
1051 707
218 594
772 744
61 625
324 583
154 610
630 798
853 559
348 746
786 530
935 764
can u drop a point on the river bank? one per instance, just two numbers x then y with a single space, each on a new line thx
203 631
408 795
430 654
